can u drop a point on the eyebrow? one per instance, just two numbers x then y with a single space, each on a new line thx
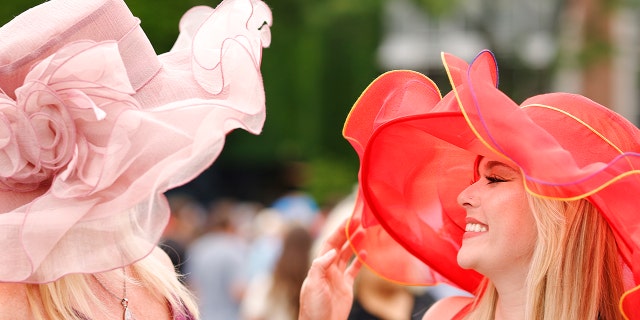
493 164
488 166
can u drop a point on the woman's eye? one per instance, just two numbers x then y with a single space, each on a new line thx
494 179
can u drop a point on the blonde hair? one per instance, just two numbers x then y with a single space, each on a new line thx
71 297
575 271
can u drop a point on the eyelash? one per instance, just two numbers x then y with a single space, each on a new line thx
491 179
494 179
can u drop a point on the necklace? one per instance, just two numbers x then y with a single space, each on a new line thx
126 314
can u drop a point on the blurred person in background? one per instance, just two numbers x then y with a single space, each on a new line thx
375 298
294 203
185 223
276 295
265 242
215 267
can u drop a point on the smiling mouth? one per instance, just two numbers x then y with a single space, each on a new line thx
475 227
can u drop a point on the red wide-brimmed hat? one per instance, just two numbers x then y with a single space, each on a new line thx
417 153
95 126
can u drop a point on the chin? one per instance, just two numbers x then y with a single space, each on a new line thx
467 261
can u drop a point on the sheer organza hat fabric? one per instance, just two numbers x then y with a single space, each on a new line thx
417 153
95 126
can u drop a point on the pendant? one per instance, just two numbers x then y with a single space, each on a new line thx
126 315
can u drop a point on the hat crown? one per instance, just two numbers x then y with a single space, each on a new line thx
25 41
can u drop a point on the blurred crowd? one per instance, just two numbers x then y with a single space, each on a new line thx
243 260
247 261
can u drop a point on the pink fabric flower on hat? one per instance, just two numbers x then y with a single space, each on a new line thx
58 116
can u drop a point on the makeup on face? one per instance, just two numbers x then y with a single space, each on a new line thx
500 228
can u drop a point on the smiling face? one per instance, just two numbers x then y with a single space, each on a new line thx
501 230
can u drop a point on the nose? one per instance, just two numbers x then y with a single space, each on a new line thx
468 197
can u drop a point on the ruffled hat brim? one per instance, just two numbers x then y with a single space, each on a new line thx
381 114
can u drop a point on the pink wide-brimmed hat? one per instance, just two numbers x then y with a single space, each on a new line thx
95 126
417 153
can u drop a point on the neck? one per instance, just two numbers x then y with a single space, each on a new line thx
510 306
512 296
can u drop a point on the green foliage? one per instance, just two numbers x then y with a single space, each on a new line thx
160 18
332 179
437 8
10 9
321 57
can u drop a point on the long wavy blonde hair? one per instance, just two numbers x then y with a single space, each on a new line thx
575 271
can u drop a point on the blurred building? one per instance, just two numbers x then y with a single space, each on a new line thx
589 47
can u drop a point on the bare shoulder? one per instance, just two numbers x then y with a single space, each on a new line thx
447 308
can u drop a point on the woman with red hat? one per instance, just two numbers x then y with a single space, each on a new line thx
94 128
530 208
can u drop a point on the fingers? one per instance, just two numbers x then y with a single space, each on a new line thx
353 269
344 255
323 262
338 242
337 251
342 259
336 239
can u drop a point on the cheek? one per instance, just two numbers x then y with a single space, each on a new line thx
521 227
515 220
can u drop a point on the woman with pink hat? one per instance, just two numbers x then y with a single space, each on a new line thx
94 128
531 208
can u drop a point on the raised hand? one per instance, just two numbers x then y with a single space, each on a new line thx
327 292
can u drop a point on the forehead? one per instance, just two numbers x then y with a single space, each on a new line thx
487 163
